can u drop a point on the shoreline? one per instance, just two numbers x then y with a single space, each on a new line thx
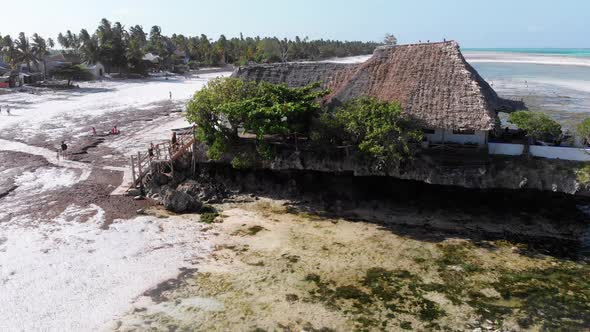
526 58
274 266
68 236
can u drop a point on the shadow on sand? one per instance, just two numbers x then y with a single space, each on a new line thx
547 223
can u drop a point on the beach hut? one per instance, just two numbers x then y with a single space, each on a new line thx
97 70
434 84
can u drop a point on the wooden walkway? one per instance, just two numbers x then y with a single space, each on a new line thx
164 154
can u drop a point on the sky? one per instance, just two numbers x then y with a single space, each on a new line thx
473 23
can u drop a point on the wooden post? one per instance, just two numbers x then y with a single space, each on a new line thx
194 152
139 165
133 170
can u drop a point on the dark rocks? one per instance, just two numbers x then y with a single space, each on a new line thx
179 202
204 190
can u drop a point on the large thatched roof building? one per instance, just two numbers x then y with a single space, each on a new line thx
433 83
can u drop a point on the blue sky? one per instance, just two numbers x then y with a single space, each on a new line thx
474 23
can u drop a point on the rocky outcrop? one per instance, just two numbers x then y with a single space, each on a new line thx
178 201
470 170
203 190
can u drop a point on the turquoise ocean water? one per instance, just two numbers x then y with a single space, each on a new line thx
581 52
554 81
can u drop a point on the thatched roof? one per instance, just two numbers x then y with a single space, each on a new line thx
433 83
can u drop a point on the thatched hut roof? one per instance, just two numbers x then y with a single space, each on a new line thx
433 83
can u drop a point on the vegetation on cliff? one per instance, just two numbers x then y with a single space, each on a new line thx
538 126
227 106
377 128
583 129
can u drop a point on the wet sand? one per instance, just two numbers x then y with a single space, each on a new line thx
277 267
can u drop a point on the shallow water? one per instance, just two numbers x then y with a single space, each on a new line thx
557 83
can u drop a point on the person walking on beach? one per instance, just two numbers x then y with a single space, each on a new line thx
93 131
115 131
170 93
63 147
8 111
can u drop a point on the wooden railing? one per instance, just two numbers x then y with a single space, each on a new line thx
165 151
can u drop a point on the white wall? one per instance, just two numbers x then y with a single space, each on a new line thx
505 149
557 152
480 137
550 152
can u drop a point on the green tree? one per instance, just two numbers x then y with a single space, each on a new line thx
537 126
263 109
7 49
390 39
40 50
210 108
69 41
24 52
583 130
136 49
72 72
89 48
378 128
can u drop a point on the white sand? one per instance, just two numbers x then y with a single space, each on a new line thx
68 274
497 57
66 111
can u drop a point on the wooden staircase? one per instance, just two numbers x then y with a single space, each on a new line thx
164 155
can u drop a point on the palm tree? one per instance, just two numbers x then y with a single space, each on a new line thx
7 49
40 50
89 48
24 52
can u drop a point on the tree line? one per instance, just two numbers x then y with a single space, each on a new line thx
123 48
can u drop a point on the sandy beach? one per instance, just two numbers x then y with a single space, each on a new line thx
72 255
75 255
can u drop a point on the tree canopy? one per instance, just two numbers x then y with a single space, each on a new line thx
227 105
390 39
583 129
378 128
123 48
72 72
537 125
